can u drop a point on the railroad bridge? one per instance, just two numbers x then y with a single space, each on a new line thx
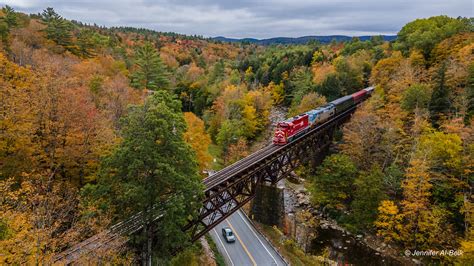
230 188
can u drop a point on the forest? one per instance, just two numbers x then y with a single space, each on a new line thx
97 124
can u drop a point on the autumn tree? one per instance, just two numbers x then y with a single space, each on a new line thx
236 151
445 156
154 171
467 243
424 34
249 75
363 138
149 72
277 92
255 111
424 225
385 71
470 95
71 133
388 221
310 101
249 119
37 213
17 116
197 137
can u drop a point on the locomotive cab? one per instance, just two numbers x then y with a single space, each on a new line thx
279 137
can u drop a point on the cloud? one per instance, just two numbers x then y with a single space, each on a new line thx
246 18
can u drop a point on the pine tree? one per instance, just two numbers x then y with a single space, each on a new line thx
152 167
85 44
57 29
7 22
440 105
149 73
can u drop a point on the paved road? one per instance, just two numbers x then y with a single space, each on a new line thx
250 248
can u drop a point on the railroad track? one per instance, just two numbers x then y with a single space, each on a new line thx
238 166
134 223
103 239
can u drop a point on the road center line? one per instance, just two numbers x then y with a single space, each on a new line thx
243 245
218 237
255 234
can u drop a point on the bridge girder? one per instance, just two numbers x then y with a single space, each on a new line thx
228 196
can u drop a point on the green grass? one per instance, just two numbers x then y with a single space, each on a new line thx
216 152
218 256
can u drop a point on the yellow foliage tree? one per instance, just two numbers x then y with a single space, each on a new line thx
258 102
424 225
310 101
467 243
321 71
443 149
199 140
36 212
249 118
277 92
17 114
388 222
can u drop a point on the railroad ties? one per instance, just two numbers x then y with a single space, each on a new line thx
227 190
232 187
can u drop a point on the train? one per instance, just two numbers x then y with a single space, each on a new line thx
294 127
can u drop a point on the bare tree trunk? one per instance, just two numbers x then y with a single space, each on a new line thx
149 244
144 248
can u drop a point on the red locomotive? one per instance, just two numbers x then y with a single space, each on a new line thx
294 127
290 129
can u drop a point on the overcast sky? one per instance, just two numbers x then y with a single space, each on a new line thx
247 18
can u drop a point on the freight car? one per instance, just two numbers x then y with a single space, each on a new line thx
292 128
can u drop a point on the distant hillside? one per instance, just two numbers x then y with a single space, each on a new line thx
300 40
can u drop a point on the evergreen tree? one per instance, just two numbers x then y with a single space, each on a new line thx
7 22
57 29
440 104
10 16
217 73
332 185
154 171
331 87
85 43
149 73
301 83
369 192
